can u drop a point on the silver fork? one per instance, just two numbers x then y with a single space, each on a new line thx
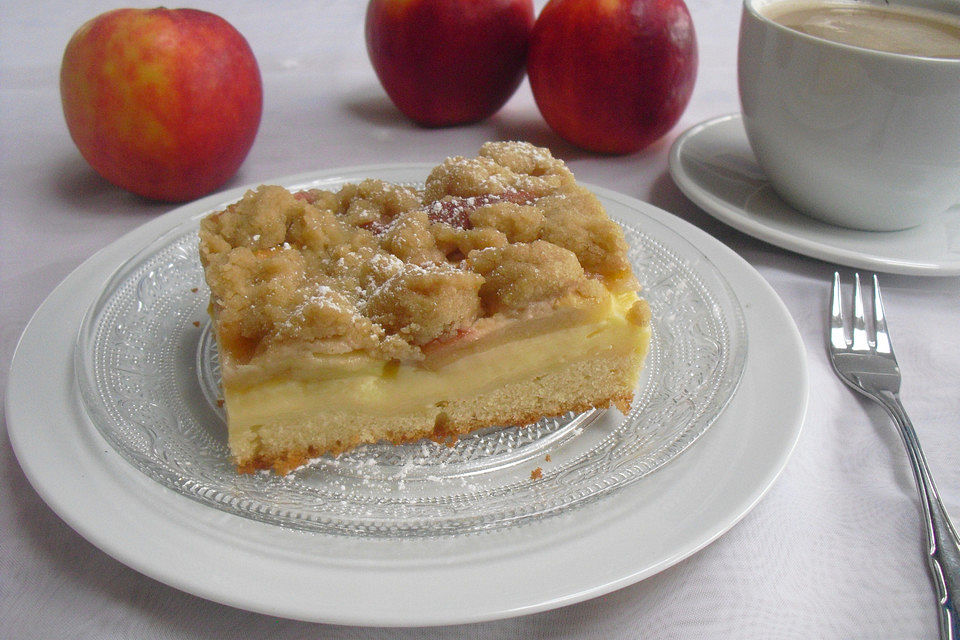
864 359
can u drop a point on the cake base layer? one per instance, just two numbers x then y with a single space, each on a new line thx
284 446
281 423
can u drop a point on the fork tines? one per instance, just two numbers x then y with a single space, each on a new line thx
864 336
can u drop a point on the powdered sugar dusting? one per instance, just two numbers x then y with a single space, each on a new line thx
387 268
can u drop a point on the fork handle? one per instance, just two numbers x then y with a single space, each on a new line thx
943 544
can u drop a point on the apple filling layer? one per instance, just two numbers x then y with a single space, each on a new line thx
498 294
494 381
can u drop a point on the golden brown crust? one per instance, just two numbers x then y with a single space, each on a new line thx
386 269
639 313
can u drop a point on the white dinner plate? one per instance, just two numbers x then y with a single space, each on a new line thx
713 165
619 538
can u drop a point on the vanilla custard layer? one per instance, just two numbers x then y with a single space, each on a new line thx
391 389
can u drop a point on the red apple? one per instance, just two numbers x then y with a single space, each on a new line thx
612 75
163 103
446 62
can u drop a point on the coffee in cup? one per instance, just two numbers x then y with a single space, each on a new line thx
853 117
890 28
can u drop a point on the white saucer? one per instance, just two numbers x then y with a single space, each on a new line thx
713 165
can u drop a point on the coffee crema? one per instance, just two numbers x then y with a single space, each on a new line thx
894 29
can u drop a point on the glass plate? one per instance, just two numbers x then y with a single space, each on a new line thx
147 368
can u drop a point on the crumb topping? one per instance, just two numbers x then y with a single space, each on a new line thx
387 269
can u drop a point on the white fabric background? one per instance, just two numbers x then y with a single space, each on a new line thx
833 551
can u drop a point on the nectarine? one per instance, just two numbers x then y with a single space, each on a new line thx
448 62
163 103
612 75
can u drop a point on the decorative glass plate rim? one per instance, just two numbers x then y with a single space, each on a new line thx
723 301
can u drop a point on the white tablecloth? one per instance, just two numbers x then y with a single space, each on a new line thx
833 551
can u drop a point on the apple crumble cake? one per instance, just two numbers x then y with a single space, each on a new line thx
497 294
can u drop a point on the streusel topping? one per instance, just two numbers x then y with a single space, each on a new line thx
387 269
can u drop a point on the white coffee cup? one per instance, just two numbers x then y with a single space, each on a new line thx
856 137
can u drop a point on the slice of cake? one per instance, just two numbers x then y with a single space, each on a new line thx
498 294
